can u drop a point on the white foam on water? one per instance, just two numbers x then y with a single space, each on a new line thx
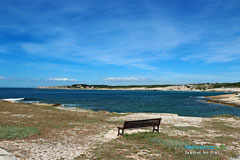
69 105
201 97
13 99
31 102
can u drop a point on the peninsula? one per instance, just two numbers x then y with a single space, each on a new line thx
217 87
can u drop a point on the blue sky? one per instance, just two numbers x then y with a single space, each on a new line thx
118 42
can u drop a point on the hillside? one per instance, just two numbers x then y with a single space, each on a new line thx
221 87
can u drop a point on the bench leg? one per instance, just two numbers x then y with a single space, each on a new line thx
119 131
154 129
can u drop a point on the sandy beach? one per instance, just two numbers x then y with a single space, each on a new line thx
72 133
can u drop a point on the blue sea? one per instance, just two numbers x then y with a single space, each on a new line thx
181 103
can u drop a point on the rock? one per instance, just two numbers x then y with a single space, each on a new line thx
4 155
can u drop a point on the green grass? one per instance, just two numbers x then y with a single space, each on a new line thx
168 142
223 115
139 136
156 139
13 132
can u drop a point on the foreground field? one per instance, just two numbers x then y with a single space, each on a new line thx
46 132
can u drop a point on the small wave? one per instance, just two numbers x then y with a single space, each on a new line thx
13 99
201 97
31 102
69 105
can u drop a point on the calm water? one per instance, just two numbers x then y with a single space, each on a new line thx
182 103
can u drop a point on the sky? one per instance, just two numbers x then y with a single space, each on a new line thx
118 42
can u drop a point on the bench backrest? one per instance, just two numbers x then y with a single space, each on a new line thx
142 123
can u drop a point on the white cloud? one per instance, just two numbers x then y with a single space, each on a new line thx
217 52
61 79
125 79
131 43
2 77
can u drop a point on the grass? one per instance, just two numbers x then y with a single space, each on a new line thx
223 116
168 142
225 139
149 145
229 134
44 122
139 136
221 126
13 132
49 120
188 128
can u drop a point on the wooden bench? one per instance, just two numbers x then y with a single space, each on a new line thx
155 123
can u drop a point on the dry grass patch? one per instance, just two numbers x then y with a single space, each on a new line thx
221 126
49 120
188 128
148 146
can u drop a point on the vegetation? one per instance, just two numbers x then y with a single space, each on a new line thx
52 127
188 128
24 120
113 87
224 115
204 86
199 86
226 85
12 132
149 145
220 126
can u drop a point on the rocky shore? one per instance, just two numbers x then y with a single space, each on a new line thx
226 99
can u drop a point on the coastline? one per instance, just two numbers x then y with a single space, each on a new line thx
225 99
169 88
128 89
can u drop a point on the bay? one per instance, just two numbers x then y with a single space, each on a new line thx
122 101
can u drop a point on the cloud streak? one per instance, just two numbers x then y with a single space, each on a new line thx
125 79
128 42
144 38
61 79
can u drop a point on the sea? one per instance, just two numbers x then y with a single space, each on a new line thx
183 103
